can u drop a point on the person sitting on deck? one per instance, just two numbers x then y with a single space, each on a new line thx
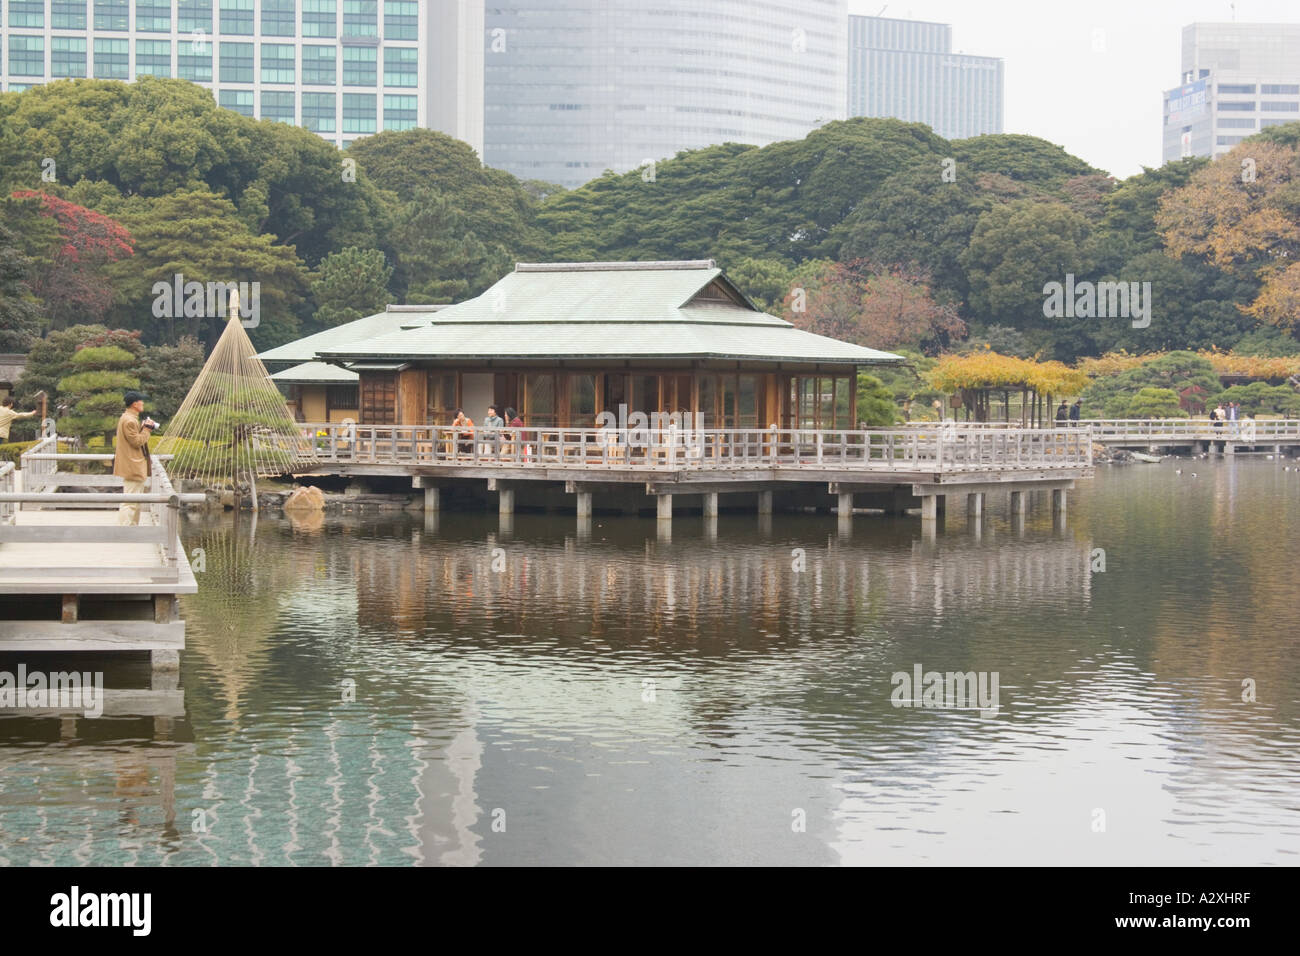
7 416
131 454
465 424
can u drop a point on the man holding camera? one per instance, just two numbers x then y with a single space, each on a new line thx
131 454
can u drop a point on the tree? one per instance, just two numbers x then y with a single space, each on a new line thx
1018 248
69 276
876 408
1241 213
199 237
1260 398
1151 402
1111 396
442 259
20 311
350 284
167 372
101 375
879 306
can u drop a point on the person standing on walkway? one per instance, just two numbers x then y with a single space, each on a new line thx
1062 414
131 454
1075 411
7 416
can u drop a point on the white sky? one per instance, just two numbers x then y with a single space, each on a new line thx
1103 107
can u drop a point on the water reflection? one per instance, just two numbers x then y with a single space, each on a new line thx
445 690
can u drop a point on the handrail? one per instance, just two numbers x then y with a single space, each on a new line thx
943 447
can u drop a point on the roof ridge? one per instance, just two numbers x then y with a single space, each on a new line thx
657 266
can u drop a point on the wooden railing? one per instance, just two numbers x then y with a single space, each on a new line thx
1247 430
943 446
159 514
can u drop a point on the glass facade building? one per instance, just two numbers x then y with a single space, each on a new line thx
341 68
575 87
1238 78
906 69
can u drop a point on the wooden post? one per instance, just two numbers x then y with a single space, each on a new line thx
710 504
664 507
765 502
505 501
584 504
432 499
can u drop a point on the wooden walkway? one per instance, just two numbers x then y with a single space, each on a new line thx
71 578
913 466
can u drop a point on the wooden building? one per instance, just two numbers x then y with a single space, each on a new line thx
564 342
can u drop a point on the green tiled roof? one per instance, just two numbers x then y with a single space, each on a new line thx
605 310
382 323
316 373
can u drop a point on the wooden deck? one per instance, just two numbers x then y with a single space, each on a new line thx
71 578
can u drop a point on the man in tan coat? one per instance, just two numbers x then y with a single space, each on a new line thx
131 454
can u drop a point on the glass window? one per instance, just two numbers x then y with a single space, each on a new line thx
728 401
1228 123
236 62
318 65
358 112
112 15
241 101
153 57
539 399
277 105
277 62
1280 107
318 112
440 404
112 59
194 16
278 18
153 17
359 66
709 400
68 16
194 59
747 401
237 17
401 20
582 400
844 411
1236 87
1280 88
400 112
68 56
1238 107
26 14
401 66
645 394
319 18
360 18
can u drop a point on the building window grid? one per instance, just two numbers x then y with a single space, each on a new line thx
277 63
112 58
401 20
360 18
279 18
401 66
319 18
153 17
68 57
236 64
358 112
318 67
68 16
401 111
318 111
241 101
278 105
194 16
153 57
26 15
360 66
236 17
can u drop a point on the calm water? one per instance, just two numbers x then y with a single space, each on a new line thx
621 698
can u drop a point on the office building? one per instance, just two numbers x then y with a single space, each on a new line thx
575 87
906 69
341 68
1237 78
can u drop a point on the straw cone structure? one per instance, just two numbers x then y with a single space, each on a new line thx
234 424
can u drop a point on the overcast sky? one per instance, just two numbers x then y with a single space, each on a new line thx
1103 107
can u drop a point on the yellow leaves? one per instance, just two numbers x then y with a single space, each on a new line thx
1278 303
1112 363
989 369
1257 367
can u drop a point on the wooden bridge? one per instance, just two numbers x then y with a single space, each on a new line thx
893 469
71 578
1197 434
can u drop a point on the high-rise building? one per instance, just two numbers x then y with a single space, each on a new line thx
1238 78
906 69
342 68
575 87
